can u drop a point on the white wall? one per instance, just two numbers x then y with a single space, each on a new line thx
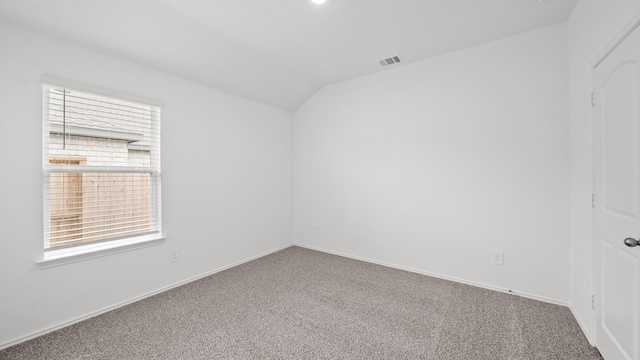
226 185
435 164
591 26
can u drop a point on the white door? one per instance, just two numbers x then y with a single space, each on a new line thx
617 205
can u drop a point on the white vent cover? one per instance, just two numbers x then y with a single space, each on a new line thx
390 61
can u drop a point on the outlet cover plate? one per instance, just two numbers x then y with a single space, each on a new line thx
175 255
498 257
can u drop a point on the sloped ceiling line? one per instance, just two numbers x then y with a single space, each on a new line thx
278 52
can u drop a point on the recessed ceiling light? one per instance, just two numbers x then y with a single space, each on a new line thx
318 2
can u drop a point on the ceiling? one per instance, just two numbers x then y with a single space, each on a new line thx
278 52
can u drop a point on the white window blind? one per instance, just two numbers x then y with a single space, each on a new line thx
101 162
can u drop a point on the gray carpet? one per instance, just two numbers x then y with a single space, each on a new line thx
304 304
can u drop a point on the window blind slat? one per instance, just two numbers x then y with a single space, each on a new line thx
75 111
120 229
81 169
119 236
58 93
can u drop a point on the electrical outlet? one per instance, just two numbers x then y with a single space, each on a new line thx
498 257
316 229
175 255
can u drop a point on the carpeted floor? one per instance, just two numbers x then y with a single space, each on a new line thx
303 304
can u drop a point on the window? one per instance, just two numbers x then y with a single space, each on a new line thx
101 162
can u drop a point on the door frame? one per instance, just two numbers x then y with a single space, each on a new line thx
632 24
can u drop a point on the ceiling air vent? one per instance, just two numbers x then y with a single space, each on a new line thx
390 61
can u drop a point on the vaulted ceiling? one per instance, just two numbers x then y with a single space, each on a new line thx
278 52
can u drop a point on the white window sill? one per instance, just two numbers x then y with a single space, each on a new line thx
90 251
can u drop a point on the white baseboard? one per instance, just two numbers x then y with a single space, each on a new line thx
458 280
440 276
472 283
582 326
132 300
180 283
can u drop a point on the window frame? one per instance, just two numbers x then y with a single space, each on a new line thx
64 255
